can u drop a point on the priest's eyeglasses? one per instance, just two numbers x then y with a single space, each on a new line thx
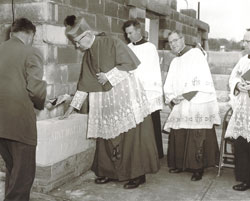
174 41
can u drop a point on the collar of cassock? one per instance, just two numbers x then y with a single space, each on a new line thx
140 42
186 49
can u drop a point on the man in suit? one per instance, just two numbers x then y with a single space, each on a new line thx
21 90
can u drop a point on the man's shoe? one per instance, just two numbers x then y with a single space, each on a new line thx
134 183
175 170
102 180
241 187
196 176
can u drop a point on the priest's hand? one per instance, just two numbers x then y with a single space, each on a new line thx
243 87
178 99
102 78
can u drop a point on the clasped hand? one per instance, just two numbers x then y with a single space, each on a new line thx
243 87
102 78
178 99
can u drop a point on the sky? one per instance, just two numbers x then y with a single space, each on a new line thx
227 18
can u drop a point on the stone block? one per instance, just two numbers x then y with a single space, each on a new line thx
189 12
175 16
119 1
178 26
164 23
96 6
4 32
204 35
123 12
103 23
190 40
83 4
41 11
50 91
111 9
60 89
60 139
163 34
54 34
162 7
202 25
116 25
55 175
37 11
136 3
52 74
63 11
72 88
141 13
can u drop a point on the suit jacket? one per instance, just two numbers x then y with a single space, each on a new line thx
21 90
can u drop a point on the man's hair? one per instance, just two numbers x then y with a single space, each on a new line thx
133 22
23 25
177 32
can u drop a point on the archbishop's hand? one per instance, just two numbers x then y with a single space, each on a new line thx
102 78
67 113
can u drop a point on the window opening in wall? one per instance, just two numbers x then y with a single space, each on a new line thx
152 30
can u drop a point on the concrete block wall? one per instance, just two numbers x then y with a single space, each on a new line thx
185 22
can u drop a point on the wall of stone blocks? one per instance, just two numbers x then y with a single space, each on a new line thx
194 30
62 61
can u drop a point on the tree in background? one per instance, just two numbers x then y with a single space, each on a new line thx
230 45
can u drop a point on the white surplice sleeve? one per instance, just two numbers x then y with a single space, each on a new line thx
78 99
115 76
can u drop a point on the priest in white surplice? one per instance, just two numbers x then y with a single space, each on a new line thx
189 89
239 124
149 73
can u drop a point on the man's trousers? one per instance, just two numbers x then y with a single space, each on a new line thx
242 160
20 161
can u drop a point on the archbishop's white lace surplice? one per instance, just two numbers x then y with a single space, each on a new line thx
239 123
116 111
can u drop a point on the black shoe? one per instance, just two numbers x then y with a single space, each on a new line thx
134 183
102 180
175 170
241 187
196 176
